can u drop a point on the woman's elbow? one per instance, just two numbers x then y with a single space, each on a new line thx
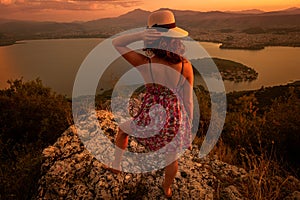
114 42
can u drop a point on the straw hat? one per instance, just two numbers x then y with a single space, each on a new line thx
164 21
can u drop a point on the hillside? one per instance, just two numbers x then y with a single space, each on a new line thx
70 171
256 157
215 26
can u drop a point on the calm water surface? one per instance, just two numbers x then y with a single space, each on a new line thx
56 63
275 65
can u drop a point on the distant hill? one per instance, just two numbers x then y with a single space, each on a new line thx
251 11
289 11
193 21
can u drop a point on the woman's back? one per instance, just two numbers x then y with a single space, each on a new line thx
162 72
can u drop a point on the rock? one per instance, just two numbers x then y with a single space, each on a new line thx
70 171
183 174
231 193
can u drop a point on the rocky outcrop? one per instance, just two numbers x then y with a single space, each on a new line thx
70 171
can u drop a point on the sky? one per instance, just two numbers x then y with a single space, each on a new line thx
84 10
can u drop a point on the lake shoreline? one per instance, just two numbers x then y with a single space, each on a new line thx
58 62
223 44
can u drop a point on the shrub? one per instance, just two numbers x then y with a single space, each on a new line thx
31 118
264 143
284 127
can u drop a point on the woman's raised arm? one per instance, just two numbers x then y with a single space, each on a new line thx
121 44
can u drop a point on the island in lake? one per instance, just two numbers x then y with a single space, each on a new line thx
229 70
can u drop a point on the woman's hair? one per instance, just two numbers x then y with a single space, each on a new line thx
170 49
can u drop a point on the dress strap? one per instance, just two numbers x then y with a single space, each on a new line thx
181 74
150 65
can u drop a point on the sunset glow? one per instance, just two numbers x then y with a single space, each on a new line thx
70 10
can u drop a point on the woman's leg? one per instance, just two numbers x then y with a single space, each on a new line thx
170 173
121 143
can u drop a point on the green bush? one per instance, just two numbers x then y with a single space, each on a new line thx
284 123
31 118
262 136
274 130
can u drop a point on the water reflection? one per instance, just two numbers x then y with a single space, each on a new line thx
56 62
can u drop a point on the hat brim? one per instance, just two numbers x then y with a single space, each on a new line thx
175 32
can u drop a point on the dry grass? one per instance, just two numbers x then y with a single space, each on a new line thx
265 178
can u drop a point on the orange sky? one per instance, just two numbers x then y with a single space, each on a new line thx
71 10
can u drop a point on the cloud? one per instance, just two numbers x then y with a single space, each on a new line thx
6 2
31 5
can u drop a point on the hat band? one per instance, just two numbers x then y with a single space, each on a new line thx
167 26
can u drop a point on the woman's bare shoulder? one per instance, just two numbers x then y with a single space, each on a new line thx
188 71
187 64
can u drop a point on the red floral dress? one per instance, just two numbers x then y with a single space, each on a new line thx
162 120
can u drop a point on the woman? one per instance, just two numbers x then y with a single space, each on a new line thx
169 79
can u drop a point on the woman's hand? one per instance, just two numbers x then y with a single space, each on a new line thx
150 35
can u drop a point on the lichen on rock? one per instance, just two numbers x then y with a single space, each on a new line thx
70 171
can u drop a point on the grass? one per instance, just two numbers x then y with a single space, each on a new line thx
265 178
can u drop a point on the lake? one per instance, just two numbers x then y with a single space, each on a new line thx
56 63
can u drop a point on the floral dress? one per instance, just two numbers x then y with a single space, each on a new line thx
162 119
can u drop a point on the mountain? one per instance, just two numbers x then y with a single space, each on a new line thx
132 19
293 10
289 11
133 14
193 21
251 11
